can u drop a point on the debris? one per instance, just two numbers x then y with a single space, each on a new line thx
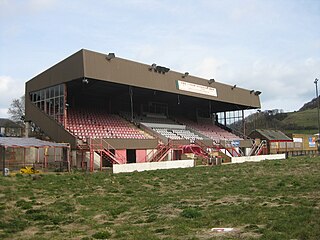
6 172
222 229
28 170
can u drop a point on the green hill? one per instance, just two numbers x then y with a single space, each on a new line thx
303 119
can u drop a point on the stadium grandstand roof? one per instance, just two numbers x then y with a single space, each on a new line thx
85 66
88 80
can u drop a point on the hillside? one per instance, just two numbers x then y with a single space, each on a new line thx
306 119
310 105
302 121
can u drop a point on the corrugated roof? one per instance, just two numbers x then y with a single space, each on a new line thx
28 142
273 135
4 122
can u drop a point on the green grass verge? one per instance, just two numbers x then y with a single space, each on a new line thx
267 200
303 119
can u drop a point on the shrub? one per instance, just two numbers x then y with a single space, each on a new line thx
191 213
101 235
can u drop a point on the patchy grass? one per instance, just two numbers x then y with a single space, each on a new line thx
306 119
266 200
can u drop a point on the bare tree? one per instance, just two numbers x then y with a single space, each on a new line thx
16 110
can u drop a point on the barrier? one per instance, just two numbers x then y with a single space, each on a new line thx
257 158
139 167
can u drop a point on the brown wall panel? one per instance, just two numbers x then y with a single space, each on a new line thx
64 71
127 72
50 126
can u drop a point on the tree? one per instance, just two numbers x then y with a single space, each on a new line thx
16 110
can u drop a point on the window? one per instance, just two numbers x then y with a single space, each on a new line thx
228 118
50 100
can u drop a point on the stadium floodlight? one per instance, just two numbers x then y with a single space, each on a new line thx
166 69
211 81
110 56
152 67
161 69
257 93
252 91
234 86
185 74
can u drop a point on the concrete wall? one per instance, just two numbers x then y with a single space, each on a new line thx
152 166
257 158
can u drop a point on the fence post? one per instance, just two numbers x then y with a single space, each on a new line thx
3 156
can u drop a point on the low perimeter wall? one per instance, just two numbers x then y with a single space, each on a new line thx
257 158
139 167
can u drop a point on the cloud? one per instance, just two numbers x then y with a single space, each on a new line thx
9 89
285 85
210 67
4 82
9 8
4 113
41 5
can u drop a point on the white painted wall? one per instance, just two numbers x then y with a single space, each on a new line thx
139 167
257 158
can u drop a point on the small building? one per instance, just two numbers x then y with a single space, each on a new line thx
277 141
308 143
16 153
9 128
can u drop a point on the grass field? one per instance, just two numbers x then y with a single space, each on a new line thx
307 118
267 200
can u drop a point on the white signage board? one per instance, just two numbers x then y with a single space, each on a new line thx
299 140
196 88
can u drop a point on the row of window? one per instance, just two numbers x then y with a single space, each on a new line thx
51 92
50 100
229 117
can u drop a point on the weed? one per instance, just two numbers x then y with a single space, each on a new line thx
270 199
191 213
101 235
24 204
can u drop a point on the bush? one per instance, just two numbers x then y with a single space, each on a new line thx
101 235
191 213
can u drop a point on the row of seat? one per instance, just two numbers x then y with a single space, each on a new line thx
148 119
177 134
85 123
211 130
186 134
167 133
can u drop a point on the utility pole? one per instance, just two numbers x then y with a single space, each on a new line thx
317 95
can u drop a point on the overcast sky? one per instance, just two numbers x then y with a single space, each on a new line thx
267 45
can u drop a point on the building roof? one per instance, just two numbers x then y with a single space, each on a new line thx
4 122
273 135
95 66
28 142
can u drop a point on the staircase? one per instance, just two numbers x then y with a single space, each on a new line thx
105 150
159 153
261 147
257 149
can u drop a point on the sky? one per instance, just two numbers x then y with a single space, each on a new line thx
268 45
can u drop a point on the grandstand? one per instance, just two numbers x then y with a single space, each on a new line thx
113 110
